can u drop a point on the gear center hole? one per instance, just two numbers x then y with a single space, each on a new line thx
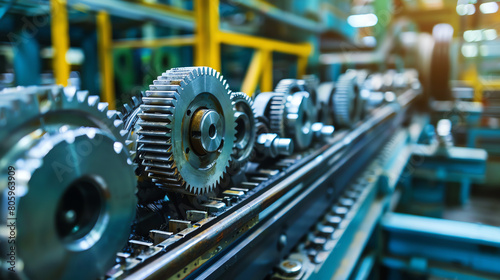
212 131
79 209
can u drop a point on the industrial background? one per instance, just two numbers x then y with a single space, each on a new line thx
250 139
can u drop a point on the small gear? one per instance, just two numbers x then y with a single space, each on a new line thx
245 130
325 102
187 129
130 116
276 113
312 85
346 107
71 204
300 116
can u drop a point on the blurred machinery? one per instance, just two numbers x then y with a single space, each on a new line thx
343 173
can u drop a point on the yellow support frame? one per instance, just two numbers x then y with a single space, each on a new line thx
60 41
209 37
206 41
207 46
105 43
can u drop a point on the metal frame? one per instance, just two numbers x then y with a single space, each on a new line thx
207 40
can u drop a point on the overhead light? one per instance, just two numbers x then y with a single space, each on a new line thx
369 41
473 35
466 9
489 34
469 50
471 9
488 8
461 10
363 20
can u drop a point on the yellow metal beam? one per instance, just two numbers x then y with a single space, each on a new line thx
254 73
60 40
248 41
105 51
301 66
174 41
178 12
267 72
207 33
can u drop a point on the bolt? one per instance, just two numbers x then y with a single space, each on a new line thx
271 145
322 132
290 268
282 241
283 146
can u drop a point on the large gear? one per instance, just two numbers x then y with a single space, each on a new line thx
245 130
346 107
187 129
70 204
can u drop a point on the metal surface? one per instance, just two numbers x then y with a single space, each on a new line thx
187 129
70 204
427 246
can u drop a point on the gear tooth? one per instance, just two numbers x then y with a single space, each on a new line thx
123 132
127 108
118 115
102 106
112 114
70 93
82 95
135 101
117 123
93 100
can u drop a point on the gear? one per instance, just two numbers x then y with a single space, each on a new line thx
290 86
70 204
187 129
245 130
289 115
312 84
300 116
130 116
276 113
325 102
346 107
